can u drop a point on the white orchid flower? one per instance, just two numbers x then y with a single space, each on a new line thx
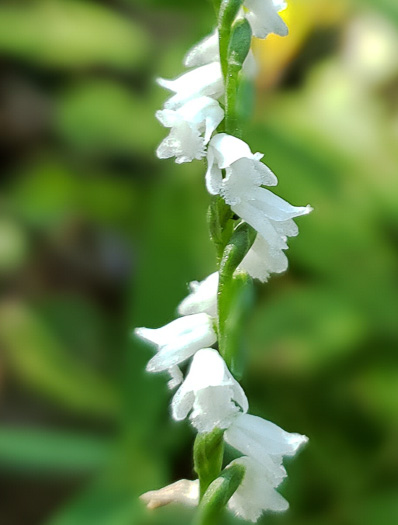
203 297
178 341
264 442
202 81
191 128
256 494
242 189
263 17
210 394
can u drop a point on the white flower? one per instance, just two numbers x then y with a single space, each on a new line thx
210 393
203 297
264 442
207 50
183 491
263 258
203 81
263 17
242 189
256 493
177 341
197 117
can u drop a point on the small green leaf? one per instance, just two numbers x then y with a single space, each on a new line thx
70 34
218 494
208 457
239 45
220 224
39 359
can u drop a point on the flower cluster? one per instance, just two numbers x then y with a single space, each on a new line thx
208 394
211 398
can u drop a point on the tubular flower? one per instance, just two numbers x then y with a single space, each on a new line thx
256 494
264 19
210 394
203 297
202 81
264 442
242 189
207 51
178 340
191 128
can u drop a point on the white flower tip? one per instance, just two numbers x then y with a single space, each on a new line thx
309 209
167 84
297 441
141 332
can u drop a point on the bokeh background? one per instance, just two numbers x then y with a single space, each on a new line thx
98 236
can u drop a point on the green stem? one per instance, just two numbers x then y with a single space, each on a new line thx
231 96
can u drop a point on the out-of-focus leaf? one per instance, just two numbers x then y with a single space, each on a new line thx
104 503
49 452
388 8
105 117
39 359
376 391
70 33
304 330
49 193
13 246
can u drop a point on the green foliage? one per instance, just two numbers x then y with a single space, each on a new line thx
70 34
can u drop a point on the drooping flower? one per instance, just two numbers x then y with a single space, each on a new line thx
177 341
202 81
256 494
203 297
207 51
242 189
264 19
264 442
191 125
210 394
183 491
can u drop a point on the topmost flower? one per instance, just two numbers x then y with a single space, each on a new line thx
263 17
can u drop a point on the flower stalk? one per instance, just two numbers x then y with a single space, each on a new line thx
249 226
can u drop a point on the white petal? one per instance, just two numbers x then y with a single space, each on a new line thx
213 174
255 494
206 51
258 438
277 208
228 149
213 408
176 377
168 117
210 391
261 260
203 81
250 68
264 19
183 491
203 297
184 143
178 340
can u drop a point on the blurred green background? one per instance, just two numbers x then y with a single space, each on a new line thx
98 236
